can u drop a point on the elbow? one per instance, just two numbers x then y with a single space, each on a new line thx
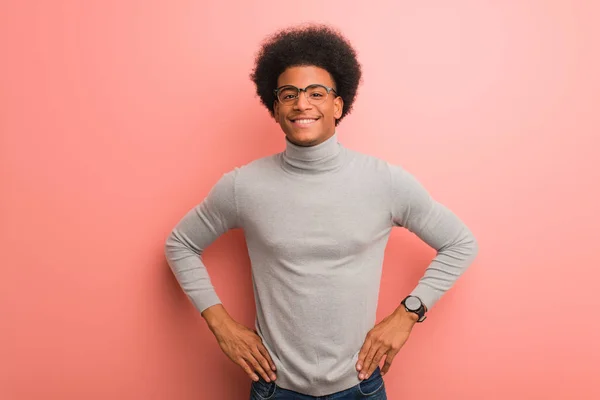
172 243
472 246
178 246
464 246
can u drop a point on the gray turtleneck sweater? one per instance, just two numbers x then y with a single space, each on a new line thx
316 222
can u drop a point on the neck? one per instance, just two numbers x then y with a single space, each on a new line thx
323 157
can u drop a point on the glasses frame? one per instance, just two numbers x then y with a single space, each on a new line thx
295 99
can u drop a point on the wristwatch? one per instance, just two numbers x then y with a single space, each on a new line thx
415 305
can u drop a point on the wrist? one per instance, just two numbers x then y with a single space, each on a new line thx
415 307
216 317
403 314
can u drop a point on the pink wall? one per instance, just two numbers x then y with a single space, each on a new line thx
116 117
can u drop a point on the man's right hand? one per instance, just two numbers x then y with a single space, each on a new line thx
242 345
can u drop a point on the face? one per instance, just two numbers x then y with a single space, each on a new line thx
303 123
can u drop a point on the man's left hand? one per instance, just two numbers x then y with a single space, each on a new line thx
385 339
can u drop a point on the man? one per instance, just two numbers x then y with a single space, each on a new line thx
316 219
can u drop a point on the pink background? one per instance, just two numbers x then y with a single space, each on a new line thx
116 117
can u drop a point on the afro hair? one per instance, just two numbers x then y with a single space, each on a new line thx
314 45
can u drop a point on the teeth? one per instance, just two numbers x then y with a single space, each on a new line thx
305 121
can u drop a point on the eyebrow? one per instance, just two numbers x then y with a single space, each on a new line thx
320 84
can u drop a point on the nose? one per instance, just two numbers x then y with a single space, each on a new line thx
302 102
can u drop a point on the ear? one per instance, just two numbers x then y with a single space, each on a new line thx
338 107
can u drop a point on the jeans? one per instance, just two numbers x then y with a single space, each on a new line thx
372 388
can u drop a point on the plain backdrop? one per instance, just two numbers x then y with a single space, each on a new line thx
117 117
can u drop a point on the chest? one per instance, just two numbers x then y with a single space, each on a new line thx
323 219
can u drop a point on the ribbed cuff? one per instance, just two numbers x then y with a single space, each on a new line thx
428 295
206 300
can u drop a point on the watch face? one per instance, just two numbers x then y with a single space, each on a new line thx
413 303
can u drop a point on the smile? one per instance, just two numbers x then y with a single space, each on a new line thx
305 121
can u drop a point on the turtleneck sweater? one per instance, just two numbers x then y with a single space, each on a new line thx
316 222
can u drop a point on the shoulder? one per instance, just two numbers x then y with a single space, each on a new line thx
257 168
248 174
366 162
254 166
392 175
374 166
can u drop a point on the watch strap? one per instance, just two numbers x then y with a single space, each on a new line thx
420 311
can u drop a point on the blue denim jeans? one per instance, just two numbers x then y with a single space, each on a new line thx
372 388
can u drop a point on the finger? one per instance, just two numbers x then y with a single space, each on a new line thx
376 360
368 361
263 350
260 356
257 367
242 363
362 354
265 353
389 358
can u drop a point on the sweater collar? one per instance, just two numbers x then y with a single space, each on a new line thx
324 157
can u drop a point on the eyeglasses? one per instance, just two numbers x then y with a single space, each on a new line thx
315 94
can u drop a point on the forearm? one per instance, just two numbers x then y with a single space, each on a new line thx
414 209
195 232
184 256
453 257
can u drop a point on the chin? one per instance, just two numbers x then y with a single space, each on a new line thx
305 138
302 140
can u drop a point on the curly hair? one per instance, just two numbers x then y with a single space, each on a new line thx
315 45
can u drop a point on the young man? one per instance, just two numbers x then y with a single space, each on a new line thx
316 219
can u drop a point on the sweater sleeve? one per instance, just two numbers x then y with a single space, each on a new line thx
201 226
414 209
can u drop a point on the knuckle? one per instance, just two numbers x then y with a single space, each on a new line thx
261 359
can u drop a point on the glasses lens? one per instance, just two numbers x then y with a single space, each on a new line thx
288 94
316 94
